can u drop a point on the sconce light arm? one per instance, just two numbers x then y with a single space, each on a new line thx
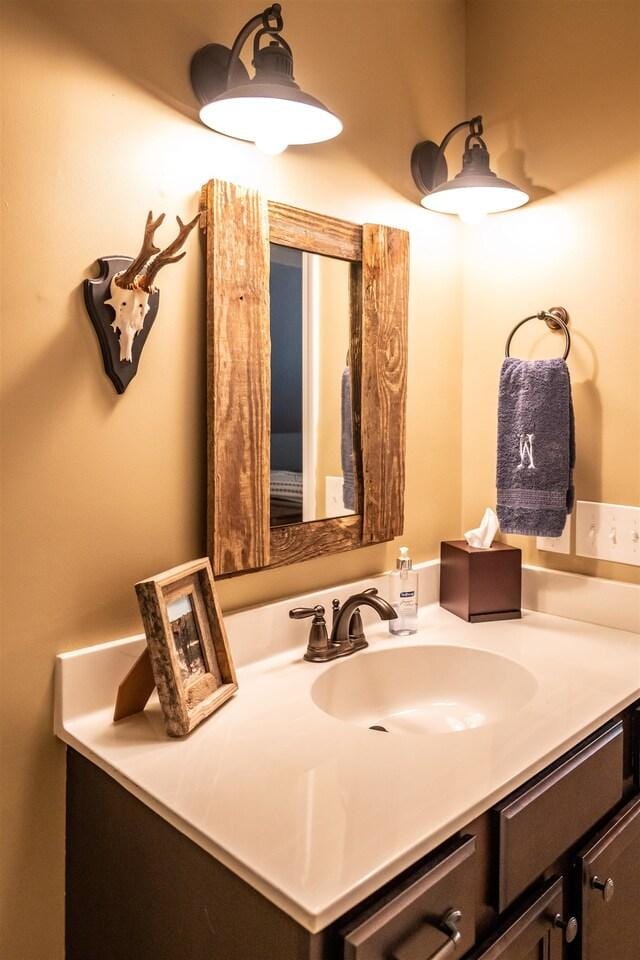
475 130
270 22
428 163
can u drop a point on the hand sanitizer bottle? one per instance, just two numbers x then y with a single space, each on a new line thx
404 596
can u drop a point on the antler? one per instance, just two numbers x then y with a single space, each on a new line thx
168 255
129 276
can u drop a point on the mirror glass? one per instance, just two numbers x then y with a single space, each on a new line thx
312 475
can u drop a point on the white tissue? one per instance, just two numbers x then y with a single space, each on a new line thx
483 535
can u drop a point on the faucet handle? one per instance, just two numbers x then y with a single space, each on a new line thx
318 646
299 613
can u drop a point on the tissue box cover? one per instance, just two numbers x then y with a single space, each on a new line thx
478 584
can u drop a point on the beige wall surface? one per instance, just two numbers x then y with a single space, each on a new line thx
559 84
99 126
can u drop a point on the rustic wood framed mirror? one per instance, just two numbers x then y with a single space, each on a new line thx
284 287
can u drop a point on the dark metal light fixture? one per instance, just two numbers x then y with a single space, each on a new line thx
269 108
475 191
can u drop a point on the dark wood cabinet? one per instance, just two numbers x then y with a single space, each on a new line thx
565 843
539 822
635 745
530 932
420 917
608 889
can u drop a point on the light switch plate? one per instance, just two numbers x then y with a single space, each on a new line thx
608 531
333 498
561 544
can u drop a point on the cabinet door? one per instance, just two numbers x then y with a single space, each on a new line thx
609 876
530 931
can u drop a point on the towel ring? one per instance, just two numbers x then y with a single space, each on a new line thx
556 318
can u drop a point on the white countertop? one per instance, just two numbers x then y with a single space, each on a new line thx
316 813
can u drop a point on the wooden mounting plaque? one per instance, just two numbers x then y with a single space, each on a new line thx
120 372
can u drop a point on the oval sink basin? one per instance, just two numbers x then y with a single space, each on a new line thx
426 689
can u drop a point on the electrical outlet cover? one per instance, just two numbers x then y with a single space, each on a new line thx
561 544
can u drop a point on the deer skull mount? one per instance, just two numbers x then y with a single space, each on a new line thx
123 302
130 306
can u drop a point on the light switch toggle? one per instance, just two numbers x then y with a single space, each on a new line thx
608 531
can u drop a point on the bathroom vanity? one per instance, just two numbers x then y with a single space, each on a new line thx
499 820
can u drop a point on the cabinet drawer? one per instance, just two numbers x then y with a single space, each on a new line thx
543 819
530 931
609 878
408 922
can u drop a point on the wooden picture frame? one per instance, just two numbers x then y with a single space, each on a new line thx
188 645
240 224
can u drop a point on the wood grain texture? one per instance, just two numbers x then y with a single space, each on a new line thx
385 282
239 226
355 369
186 703
314 232
295 542
238 377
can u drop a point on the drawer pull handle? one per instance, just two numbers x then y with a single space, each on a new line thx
449 925
606 887
569 926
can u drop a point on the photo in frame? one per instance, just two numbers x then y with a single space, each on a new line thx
188 645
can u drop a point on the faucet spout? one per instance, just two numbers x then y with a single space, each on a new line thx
340 632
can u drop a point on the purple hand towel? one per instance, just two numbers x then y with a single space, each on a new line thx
536 447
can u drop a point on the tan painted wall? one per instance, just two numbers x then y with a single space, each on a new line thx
99 490
559 84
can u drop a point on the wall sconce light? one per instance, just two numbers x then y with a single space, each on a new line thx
270 108
475 191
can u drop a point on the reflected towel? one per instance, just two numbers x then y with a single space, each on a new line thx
536 447
286 485
346 443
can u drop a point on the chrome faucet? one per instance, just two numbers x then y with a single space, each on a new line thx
347 632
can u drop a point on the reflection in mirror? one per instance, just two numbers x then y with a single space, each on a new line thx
312 473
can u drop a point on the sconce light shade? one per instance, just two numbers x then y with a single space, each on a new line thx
269 109
475 191
272 117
